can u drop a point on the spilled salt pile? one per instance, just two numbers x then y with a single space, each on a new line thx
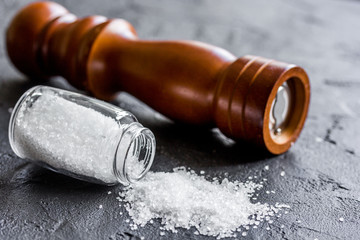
183 199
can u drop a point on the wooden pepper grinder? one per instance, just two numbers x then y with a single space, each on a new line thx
250 98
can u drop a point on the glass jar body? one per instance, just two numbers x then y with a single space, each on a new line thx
80 136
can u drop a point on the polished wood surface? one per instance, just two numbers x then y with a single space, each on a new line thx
188 81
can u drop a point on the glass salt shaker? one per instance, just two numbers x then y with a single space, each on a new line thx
80 136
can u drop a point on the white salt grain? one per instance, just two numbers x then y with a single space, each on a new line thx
282 173
341 219
266 167
109 192
134 167
100 206
184 199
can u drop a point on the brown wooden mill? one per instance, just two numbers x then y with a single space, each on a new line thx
251 98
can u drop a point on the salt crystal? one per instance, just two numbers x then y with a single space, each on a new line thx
162 233
100 206
109 192
244 234
183 199
341 219
282 173
266 167
202 172
319 139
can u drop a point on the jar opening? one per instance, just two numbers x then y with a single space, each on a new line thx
134 154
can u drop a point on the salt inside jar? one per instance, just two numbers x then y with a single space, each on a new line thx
80 136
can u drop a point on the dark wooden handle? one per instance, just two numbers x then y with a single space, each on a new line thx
187 81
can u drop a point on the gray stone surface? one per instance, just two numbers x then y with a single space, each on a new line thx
322 182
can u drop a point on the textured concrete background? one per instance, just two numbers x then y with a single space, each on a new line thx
322 182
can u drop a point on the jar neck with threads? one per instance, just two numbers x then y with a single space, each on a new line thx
134 153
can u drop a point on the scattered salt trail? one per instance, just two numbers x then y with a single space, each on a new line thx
184 199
